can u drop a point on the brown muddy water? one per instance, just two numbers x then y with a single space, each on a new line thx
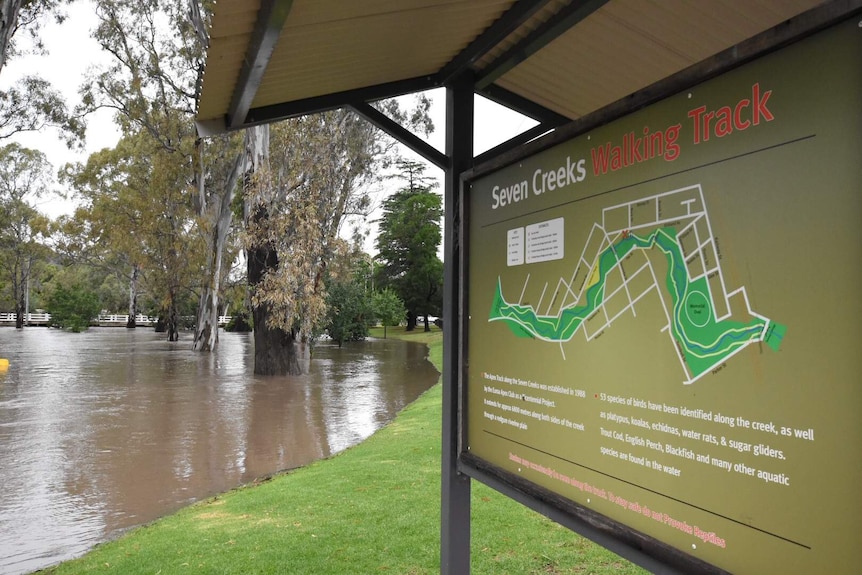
104 430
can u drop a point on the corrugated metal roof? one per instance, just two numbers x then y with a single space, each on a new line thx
320 57
629 44
331 46
545 14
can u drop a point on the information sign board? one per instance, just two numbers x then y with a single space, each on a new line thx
663 315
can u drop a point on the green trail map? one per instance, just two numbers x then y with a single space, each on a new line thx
620 266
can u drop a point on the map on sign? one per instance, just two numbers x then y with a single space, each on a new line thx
659 246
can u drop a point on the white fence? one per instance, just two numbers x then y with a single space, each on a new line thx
105 320
123 319
31 318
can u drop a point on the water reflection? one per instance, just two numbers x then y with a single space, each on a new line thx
112 428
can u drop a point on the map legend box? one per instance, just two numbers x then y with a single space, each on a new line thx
545 241
515 247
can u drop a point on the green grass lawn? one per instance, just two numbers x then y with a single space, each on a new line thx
374 508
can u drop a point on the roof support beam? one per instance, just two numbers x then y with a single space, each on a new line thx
789 31
267 29
513 143
523 106
455 486
558 25
402 134
325 102
505 25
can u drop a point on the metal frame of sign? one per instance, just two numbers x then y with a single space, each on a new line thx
634 545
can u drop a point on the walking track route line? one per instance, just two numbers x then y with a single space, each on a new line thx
617 265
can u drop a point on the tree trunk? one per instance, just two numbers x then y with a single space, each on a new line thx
171 325
19 282
171 320
411 321
8 21
206 326
132 322
20 307
220 214
276 352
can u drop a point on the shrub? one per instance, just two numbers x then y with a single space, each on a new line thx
72 308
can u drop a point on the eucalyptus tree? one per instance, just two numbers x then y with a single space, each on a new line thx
293 209
27 17
150 80
87 238
24 177
9 10
157 57
103 230
135 211
32 103
223 161
318 172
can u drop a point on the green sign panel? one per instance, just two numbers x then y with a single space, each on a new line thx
664 315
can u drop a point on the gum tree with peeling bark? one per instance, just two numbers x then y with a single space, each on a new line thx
157 50
317 173
24 177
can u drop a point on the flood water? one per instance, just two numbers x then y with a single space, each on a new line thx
111 428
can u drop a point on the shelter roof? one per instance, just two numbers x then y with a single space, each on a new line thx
555 60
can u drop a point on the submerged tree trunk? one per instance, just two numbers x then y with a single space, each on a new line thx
172 321
132 322
276 351
20 275
172 316
169 323
20 306
220 216
279 353
206 326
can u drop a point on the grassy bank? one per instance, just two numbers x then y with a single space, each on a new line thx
374 508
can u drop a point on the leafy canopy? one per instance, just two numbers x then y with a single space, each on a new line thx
408 241
348 311
388 308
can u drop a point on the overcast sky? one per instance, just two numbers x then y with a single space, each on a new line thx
71 52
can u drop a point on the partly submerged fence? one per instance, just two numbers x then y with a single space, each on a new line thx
103 320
